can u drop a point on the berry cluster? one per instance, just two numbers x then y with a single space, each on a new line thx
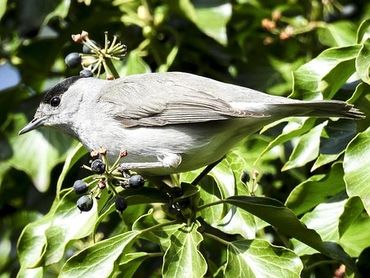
105 176
94 58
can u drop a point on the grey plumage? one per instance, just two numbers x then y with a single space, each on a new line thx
170 122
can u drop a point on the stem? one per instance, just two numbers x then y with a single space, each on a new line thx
217 238
210 204
319 263
112 69
159 226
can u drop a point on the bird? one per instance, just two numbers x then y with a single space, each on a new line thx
168 122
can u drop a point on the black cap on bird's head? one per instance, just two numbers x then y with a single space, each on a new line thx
52 98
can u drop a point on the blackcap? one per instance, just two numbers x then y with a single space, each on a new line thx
168 122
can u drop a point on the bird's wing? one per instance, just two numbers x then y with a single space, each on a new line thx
159 101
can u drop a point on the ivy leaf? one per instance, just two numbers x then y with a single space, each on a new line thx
38 152
356 165
324 75
363 63
44 241
257 258
316 189
307 148
99 259
182 258
286 222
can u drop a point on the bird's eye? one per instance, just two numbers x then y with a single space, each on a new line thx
55 101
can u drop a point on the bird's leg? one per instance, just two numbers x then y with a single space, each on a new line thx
168 160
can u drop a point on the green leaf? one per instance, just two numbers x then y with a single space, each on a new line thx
286 222
44 240
316 190
182 258
5 247
60 11
324 219
330 220
257 258
339 134
212 17
324 75
38 152
37 272
169 60
356 166
134 64
363 32
307 148
295 127
3 7
363 63
73 155
341 33
129 263
210 193
356 237
99 259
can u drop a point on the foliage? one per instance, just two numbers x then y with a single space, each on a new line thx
302 207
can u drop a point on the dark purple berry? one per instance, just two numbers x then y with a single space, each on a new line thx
136 181
73 59
245 177
80 187
86 73
85 203
86 49
120 204
98 166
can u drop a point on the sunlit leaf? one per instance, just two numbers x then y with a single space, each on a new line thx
307 148
99 259
324 75
44 240
38 152
286 222
182 258
316 189
257 258
363 32
3 8
363 63
356 164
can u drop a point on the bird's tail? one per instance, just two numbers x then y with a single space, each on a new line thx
327 108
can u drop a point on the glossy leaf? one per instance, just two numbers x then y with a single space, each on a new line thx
3 8
286 222
258 258
316 190
331 220
44 240
363 63
294 128
363 32
307 148
182 258
38 152
324 75
356 164
341 33
212 18
73 155
338 135
99 259
324 219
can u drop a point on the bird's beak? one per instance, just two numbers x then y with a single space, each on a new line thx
36 122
